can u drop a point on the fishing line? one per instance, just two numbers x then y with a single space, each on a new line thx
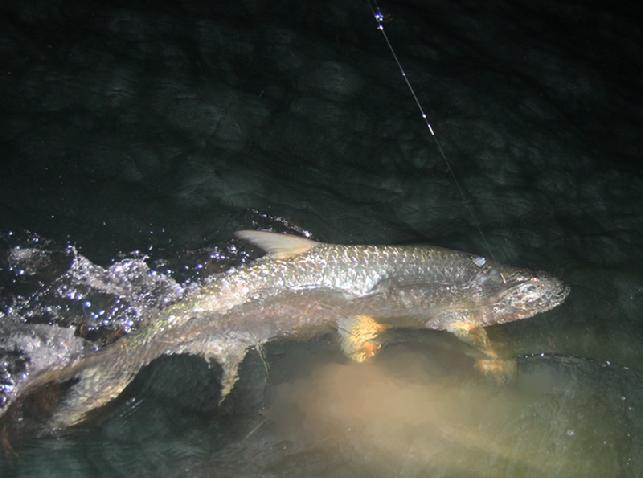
380 18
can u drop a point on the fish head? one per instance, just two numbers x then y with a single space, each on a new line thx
523 294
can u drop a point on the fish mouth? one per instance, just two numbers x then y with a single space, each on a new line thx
530 296
554 291
562 294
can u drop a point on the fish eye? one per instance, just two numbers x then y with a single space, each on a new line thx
479 261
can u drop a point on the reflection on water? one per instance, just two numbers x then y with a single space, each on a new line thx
390 420
420 411
393 418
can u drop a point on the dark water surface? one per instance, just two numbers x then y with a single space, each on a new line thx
138 136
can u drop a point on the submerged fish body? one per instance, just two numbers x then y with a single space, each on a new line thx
302 288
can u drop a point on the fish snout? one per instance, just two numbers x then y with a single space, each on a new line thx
544 291
530 294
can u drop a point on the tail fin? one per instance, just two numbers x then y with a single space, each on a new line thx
106 377
46 350
101 378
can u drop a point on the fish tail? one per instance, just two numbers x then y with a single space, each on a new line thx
99 380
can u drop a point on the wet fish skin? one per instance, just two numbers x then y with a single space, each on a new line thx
301 288
389 281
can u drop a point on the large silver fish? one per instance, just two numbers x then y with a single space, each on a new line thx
301 288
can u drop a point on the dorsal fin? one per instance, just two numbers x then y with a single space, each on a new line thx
280 246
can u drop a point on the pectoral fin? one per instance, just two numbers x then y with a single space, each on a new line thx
471 333
359 337
474 335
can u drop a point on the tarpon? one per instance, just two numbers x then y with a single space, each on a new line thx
301 288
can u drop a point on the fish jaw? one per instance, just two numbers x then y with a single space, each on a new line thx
528 295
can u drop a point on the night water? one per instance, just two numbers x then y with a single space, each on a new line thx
138 136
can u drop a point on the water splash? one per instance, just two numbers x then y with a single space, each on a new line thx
56 304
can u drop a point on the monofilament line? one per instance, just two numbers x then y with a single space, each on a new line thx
379 18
